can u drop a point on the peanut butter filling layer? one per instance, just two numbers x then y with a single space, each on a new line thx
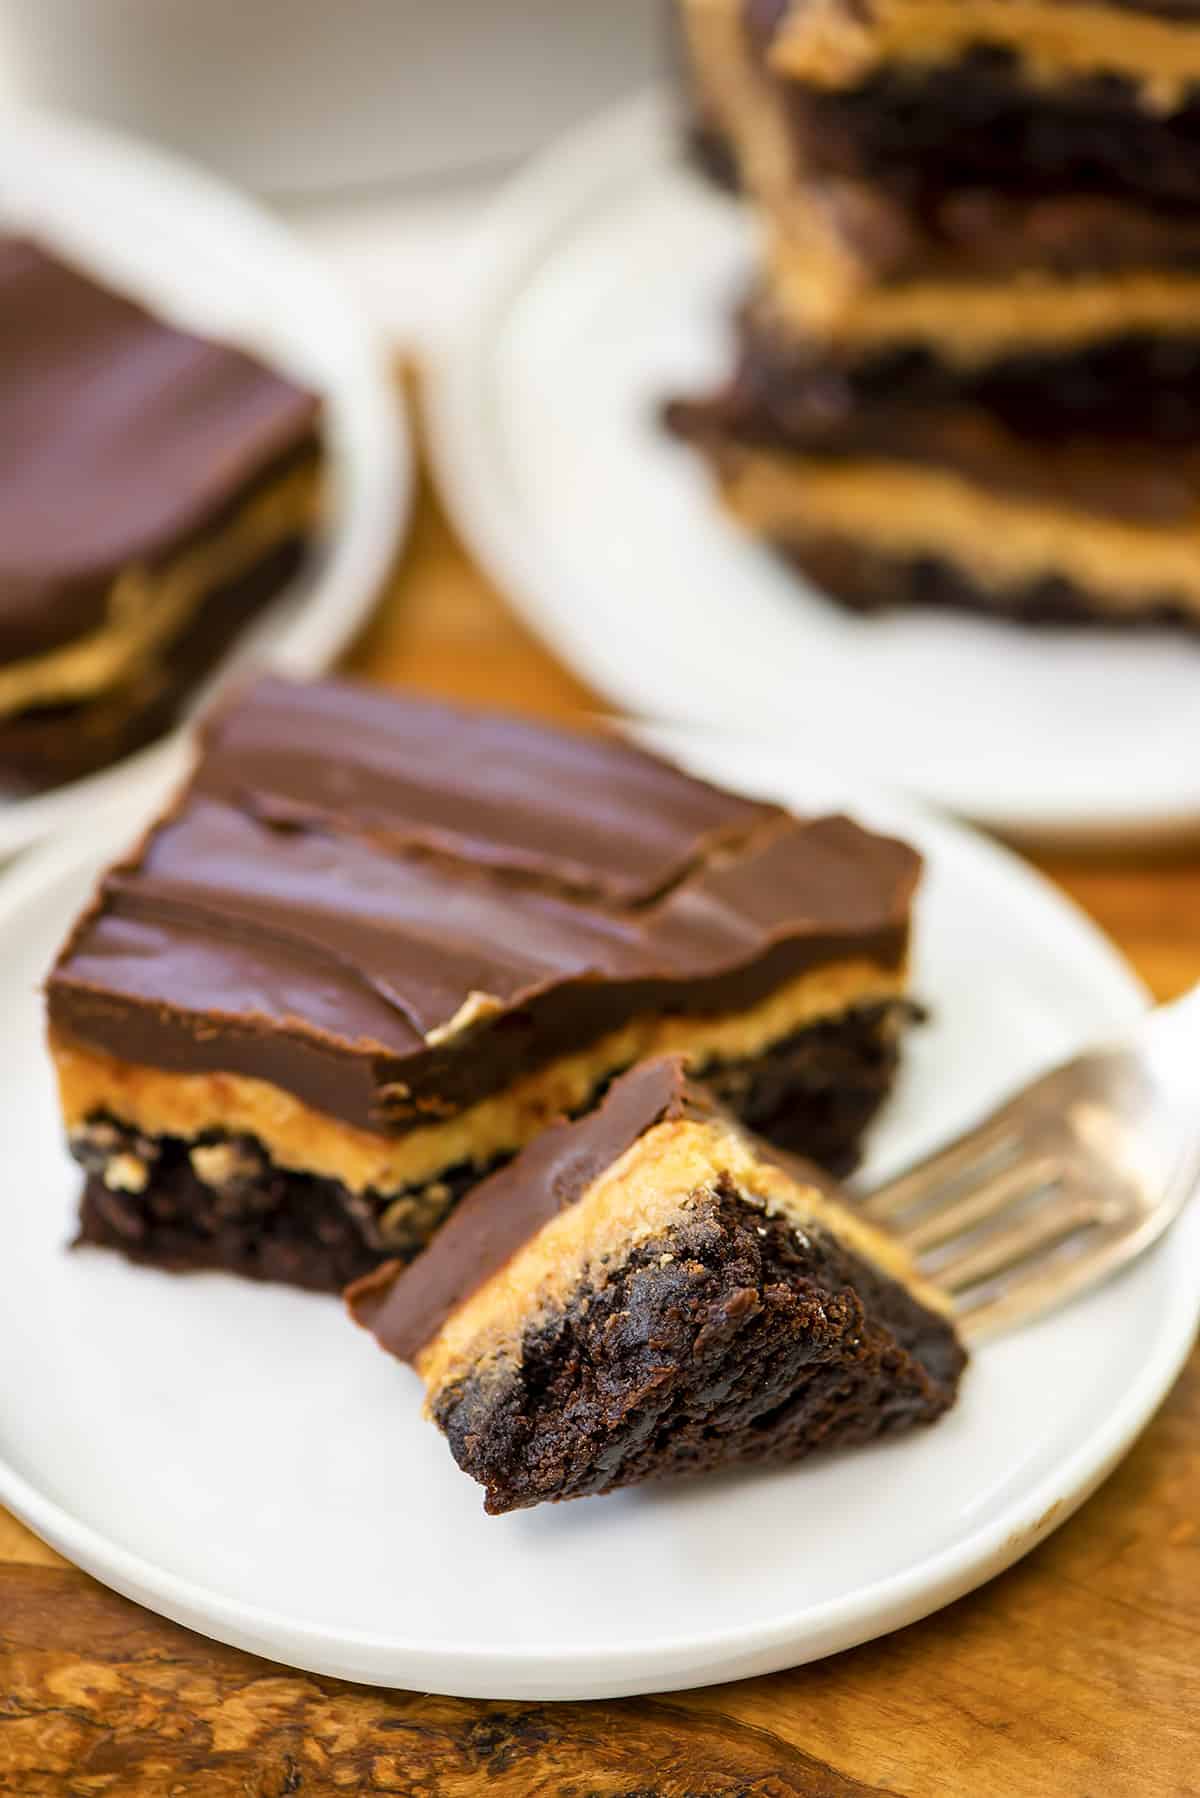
675 1166
816 286
741 96
904 512
833 44
304 1140
149 606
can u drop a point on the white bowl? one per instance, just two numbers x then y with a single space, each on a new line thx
294 96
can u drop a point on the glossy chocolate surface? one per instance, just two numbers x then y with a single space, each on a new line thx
391 908
121 437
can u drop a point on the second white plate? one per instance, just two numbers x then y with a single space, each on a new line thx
244 1460
602 284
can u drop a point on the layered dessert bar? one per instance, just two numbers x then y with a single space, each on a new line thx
970 372
649 1292
165 489
378 943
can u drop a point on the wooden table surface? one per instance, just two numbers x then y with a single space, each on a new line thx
1076 1675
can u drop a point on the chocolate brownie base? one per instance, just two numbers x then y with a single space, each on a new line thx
1134 390
923 132
866 582
41 749
817 1092
731 1340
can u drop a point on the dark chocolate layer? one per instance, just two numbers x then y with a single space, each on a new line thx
270 1223
731 1340
391 908
1146 484
968 235
923 132
134 437
1134 391
865 581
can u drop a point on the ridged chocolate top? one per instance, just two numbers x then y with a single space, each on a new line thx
391 907
405 1308
121 436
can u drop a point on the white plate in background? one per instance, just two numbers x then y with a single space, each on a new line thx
187 245
244 1460
601 284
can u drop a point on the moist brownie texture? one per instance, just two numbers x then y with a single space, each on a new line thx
378 943
167 487
651 1292
972 348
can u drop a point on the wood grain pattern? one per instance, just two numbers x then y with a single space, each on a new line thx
1075 1675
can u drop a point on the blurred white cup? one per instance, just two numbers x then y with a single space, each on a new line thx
305 96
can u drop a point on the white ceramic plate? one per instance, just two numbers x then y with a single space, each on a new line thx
601 284
245 1461
187 244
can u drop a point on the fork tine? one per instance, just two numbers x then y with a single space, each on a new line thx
1045 1285
1030 1290
980 1203
1000 1250
923 1185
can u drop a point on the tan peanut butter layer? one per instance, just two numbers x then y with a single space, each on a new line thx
837 44
149 605
740 95
818 289
299 1138
675 1165
903 512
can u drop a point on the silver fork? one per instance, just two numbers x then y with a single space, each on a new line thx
1068 1182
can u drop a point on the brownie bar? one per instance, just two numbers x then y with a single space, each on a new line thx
163 488
649 1293
386 940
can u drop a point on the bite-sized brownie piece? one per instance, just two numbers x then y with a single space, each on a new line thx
378 943
166 489
650 1292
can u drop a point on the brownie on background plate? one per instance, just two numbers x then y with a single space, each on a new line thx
969 371
650 1292
378 944
156 491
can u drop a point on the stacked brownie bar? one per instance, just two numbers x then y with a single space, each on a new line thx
379 944
156 491
970 373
